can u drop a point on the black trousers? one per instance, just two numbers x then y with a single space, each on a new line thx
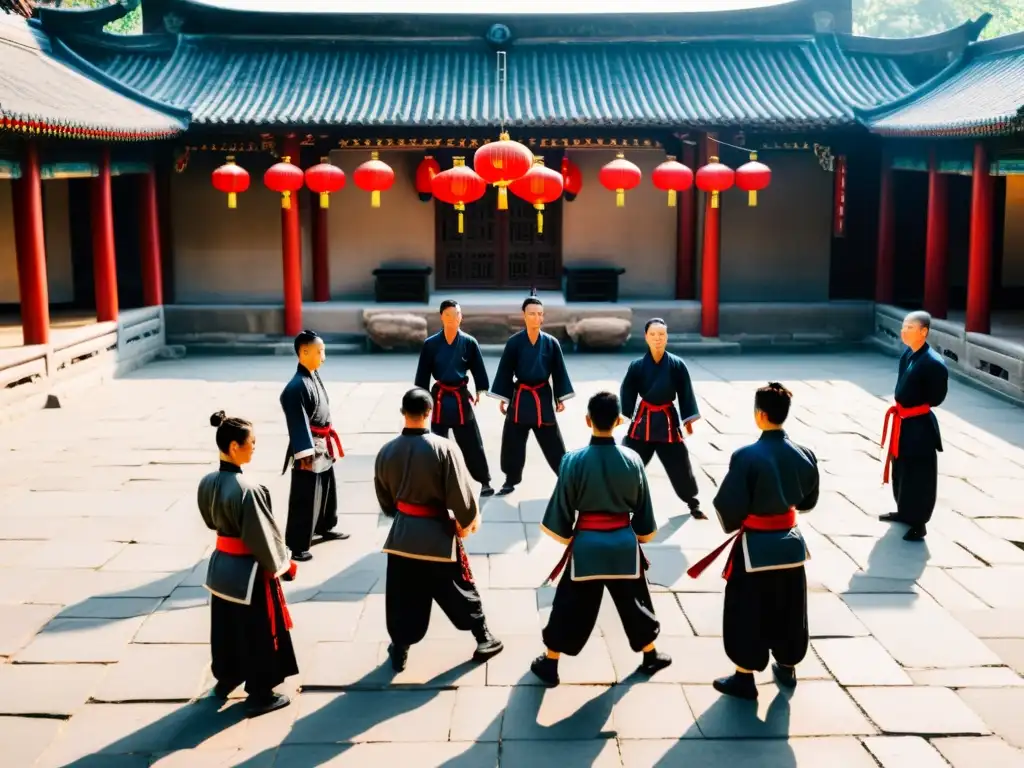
467 437
513 448
765 612
675 458
414 585
574 612
242 645
914 485
312 508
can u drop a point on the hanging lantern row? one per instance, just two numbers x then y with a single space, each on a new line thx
672 177
325 179
231 179
457 186
539 186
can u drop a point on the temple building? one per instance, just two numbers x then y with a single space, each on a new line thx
894 164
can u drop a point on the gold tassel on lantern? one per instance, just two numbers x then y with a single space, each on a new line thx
324 200
460 208
620 198
375 199
540 218
752 195
232 200
671 198
714 199
286 200
502 197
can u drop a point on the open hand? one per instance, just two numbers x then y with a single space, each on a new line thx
502 407
473 528
559 407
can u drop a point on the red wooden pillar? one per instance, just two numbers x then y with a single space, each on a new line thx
149 232
30 245
686 240
709 265
979 265
321 252
936 282
291 249
885 259
103 257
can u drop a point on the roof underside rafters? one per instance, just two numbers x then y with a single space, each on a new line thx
757 84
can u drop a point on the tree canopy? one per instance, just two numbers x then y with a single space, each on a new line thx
912 18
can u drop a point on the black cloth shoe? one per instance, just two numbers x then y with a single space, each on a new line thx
399 656
891 517
487 645
740 684
263 703
696 514
486 490
784 676
334 536
506 489
916 533
546 669
654 661
223 689
302 557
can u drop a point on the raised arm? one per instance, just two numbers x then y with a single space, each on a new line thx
501 387
560 515
644 525
299 436
732 502
629 392
561 386
459 495
260 532
481 382
423 368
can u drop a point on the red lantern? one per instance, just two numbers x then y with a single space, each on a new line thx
620 175
374 176
752 177
572 179
714 178
425 173
672 176
540 185
325 179
500 163
231 179
285 178
457 186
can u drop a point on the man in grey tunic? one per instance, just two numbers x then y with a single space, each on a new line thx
607 486
418 478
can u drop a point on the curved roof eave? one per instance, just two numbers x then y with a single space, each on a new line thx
955 39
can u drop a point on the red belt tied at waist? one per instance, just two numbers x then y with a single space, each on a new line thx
590 521
442 390
331 435
751 523
533 389
897 413
421 510
230 545
647 410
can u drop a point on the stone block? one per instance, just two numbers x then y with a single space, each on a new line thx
393 331
55 690
900 751
919 710
599 332
989 751
747 753
367 716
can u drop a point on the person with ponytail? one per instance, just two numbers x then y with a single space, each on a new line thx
765 612
250 640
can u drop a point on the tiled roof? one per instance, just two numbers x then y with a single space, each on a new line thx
45 94
981 95
790 83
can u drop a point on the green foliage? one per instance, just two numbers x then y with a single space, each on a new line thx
129 25
912 18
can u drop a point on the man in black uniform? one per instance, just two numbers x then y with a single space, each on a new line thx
449 356
914 443
313 447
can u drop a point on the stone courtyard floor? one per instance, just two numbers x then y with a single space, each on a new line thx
917 649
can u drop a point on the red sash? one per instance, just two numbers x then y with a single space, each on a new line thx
533 389
332 438
442 390
590 521
751 523
897 413
230 545
422 510
644 413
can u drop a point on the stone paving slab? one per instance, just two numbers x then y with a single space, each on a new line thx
104 561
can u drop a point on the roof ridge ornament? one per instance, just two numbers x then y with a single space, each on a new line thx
498 34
